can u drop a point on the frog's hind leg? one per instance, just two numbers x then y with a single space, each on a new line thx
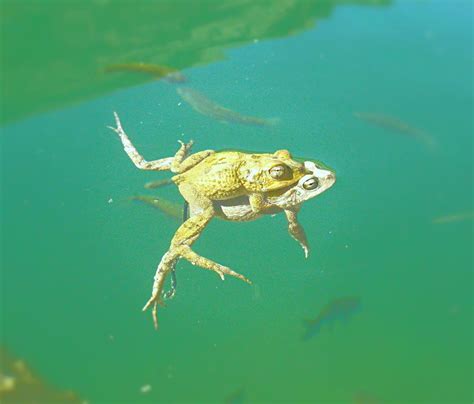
181 243
195 259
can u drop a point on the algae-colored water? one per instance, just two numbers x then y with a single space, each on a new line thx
78 255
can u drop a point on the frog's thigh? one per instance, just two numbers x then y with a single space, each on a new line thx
296 230
180 166
190 230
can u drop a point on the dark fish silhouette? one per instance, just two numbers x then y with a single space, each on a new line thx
157 71
236 397
395 124
336 310
200 103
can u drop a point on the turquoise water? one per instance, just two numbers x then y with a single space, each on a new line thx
79 257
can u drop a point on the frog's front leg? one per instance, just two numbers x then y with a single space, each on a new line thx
296 230
258 203
181 164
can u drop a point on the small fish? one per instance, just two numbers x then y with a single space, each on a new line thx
456 217
172 209
157 71
338 309
200 103
395 124
236 397
158 183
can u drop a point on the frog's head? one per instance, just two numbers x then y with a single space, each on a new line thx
270 172
283 171
317 180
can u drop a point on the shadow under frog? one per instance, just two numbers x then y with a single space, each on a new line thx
232 185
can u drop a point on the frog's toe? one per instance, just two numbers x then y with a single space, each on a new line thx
153 301
220 273
229 271
186 146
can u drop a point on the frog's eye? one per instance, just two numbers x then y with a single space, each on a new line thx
277 172
311 183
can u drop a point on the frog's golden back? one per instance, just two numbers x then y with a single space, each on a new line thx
225 175
216 176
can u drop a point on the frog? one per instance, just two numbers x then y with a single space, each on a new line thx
207 178
238 209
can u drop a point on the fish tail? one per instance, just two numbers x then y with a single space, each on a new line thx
311 329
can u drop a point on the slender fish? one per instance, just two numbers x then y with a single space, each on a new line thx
200 103
395 124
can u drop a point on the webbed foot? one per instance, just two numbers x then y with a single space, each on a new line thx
205 263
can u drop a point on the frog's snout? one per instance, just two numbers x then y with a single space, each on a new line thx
326 178
331 177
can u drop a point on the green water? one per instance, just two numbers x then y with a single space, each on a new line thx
78 256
